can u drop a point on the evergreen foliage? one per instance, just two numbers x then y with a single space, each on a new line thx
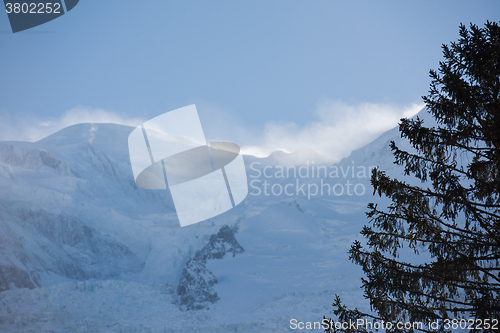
454 216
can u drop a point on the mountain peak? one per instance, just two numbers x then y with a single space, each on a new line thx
87 132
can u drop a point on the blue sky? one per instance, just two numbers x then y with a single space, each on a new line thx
262 73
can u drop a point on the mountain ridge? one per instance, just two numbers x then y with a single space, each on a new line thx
72 214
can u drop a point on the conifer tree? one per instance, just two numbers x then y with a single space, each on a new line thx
454 215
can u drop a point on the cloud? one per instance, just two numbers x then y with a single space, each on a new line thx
33 128
336 130
339 129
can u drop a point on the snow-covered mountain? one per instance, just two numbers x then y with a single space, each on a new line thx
82 248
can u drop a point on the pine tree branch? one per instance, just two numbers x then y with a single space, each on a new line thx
422 269
447 242
464 233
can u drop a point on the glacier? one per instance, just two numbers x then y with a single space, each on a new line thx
83 249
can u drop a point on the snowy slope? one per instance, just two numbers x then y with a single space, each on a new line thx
83 249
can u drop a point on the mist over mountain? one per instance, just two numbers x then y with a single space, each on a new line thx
83 248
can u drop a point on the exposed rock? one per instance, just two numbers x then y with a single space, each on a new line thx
41 242
11 276
33 159
219 244
196 284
